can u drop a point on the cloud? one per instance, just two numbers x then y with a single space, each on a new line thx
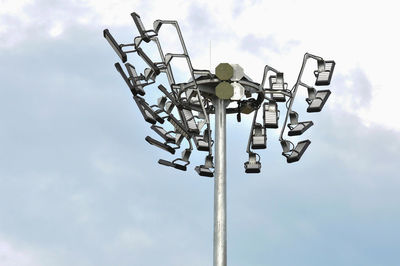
12 256
257 45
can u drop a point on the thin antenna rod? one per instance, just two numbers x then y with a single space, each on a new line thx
210 55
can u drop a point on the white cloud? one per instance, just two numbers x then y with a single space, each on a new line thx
13 256
56 30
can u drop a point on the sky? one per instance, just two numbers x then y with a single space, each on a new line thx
80 186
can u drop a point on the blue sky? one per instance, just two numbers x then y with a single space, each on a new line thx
80 186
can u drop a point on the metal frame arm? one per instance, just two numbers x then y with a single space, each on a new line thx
295 87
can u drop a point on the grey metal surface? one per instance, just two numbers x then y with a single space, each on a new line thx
220 185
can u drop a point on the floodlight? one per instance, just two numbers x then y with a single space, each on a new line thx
188 118
173 164
296 127
161 102
300 128
271 114
190 94
317 103
178 126
163 133
202 142
186 154
127 81
134 77
324 77
148 61
293 155
166 93
114 45
205 170
148 73
169 106
160 144
252 166
259 137
148 114
142 31
277 83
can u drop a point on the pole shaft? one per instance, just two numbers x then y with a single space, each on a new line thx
220 185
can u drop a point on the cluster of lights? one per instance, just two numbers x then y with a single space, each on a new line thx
187 106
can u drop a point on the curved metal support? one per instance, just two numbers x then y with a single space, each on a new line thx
295 87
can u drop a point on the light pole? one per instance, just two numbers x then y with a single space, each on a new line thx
220 184
186 108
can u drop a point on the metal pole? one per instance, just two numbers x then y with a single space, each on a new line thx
220 185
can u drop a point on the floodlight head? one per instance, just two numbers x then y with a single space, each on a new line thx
125 78
163 133
271 114
317 103
140 27
205 170
294 155
161 102
252 166
178 126
148 61
186 155
115 45
160 145
173 164
299 128
259 137
135 79
190 122
324 77
148 114
276 82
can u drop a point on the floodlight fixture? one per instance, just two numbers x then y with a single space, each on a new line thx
117 48
174 164
188 106
148 61
148 114
271 114
277 84
203 142
160 145
253 166
259 137
126 79
316 103
324 77
299 128
189 121
294 154
146 35
133 76
179 127
166 135
206 168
